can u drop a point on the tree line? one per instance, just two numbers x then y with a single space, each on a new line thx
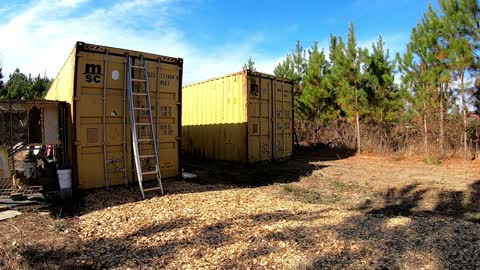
21 86
429 94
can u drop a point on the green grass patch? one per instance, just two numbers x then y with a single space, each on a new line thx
58 228
339 185
433 160
302 194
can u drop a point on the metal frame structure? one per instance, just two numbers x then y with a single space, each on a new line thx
15 138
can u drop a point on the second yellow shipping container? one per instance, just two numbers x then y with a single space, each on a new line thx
245 116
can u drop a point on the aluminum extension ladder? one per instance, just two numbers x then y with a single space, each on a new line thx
139 97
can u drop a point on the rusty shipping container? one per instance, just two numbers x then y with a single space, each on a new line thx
245 117
93 81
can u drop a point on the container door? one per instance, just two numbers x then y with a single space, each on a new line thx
91 74
164 81
259 119
165 100
282 119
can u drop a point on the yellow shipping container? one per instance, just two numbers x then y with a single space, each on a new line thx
245 116
94 129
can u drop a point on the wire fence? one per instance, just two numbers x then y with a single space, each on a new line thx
32 136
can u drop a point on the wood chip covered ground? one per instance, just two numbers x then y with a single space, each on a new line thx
316 211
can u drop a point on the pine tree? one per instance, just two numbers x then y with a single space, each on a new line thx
317 101
440 74
349 80
39 86
299 62
21 86
461 36
17 86
250 65
2 86
285 69
419 76
293 68
476 96
299 66
382 94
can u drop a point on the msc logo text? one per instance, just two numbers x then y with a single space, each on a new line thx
93 73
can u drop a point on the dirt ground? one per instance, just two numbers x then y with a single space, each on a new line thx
319 210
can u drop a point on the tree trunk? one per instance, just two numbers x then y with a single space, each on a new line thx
425 133
357 131
383 144
464 107
476 141
357 121
442 116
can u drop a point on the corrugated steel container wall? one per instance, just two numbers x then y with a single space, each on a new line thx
215 118
245 116
91 64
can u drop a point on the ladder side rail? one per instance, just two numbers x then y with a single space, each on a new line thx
136 153
152 130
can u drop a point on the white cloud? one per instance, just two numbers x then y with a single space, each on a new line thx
40 37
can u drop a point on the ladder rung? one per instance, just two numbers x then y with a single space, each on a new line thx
150 172
152 189
141 109
147 156
143 124
138 67
139 94
144 140
138 80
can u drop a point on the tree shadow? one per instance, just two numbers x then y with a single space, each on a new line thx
301 164
220 175
394 235
396 202
399 234
142 247
406 201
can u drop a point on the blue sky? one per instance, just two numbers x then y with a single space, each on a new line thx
214 37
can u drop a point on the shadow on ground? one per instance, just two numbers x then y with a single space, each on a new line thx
404 236
391 236
106 253
392 231
302 163
220 175
407 201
